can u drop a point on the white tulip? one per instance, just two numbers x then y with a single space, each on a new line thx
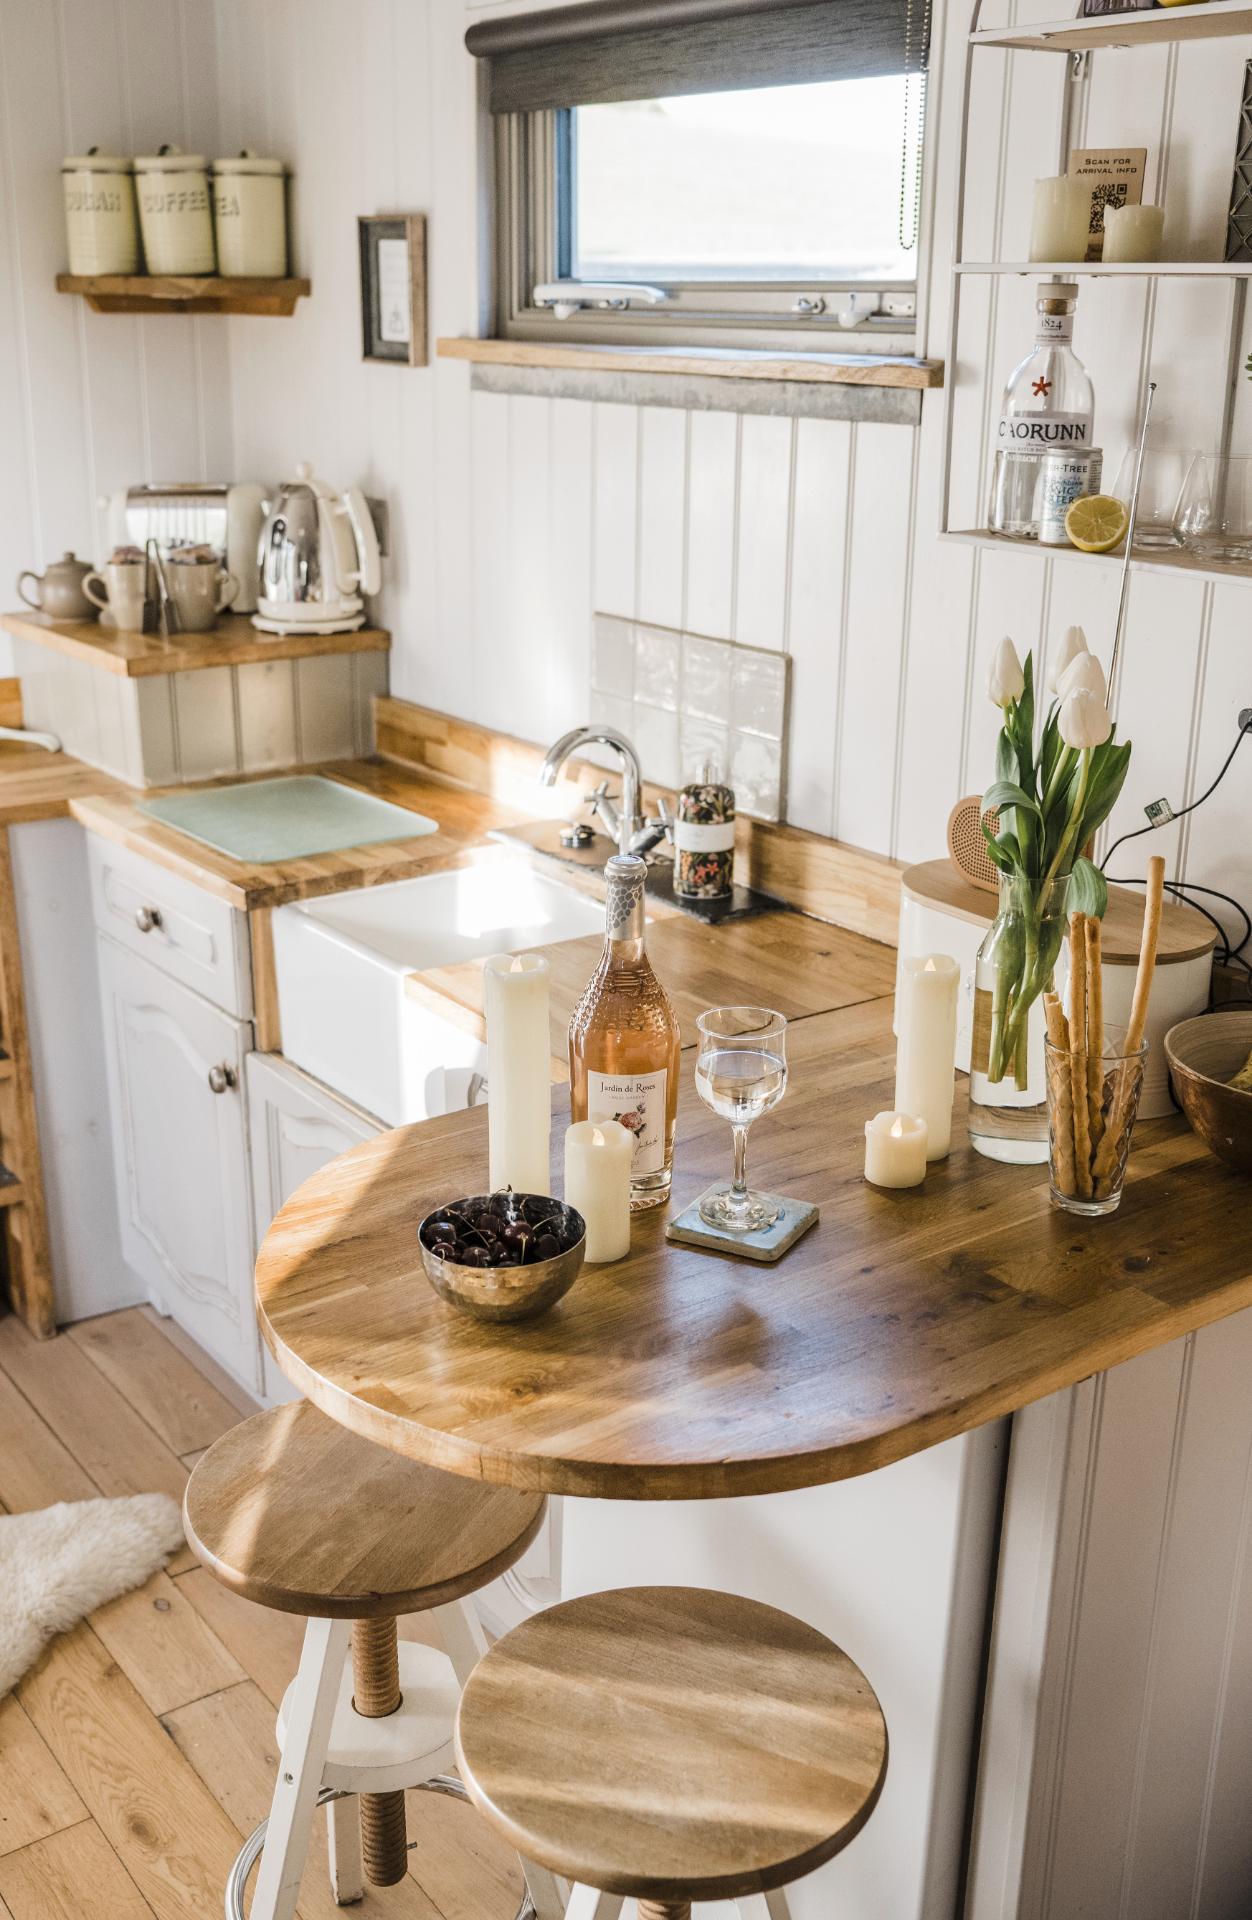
1084 670
1072 647
1006 682
1084 719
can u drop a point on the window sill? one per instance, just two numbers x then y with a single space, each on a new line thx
831 385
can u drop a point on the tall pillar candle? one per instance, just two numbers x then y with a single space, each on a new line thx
598 1157
1062 214
519 1071
926 1045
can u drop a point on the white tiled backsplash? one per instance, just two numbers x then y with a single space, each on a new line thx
684 700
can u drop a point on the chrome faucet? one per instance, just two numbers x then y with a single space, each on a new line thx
621 820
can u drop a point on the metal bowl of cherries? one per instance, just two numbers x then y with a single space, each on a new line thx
503 1256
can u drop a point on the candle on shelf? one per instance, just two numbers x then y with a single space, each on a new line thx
926 995
895 1150
1062 217
1133 233
598 1155
519 1071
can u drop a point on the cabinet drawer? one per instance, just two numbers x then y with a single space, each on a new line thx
172 923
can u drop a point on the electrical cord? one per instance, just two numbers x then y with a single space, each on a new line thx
1154 826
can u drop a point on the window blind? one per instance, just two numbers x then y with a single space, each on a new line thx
651 49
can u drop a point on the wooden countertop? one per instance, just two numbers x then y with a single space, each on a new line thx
900 1320
233 642
797 965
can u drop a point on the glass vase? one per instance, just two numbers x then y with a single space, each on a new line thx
1008 1111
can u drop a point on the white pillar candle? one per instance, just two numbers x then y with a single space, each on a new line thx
598 1155
895 1150
926 995
519 1071
1062 217
1132 233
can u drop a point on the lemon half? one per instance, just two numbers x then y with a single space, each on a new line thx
1096 523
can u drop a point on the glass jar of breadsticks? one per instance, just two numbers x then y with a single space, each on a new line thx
1095 1072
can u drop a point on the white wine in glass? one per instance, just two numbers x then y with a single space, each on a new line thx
741 1072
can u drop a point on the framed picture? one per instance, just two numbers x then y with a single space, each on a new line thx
393 287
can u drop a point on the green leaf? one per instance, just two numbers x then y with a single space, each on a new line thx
1004 793
1006 756
1103 790
1089 890
999 859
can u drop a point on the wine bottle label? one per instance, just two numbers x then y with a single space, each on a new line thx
1031 430
701 836
637 1102
1053 327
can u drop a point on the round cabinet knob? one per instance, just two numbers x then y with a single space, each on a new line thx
221 1079
146 918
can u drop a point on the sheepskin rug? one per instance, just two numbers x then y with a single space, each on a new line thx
57 1564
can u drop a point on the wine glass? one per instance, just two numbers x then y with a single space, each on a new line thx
741 1072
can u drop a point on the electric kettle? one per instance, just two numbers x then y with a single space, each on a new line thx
318 555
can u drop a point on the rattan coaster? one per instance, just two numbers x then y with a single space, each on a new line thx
795 1218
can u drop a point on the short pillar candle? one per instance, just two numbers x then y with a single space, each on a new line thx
895 1150
1062 217
926 998
519 1071
1132 233
598 1155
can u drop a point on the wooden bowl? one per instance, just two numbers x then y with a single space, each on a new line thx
1203 1054
506 1293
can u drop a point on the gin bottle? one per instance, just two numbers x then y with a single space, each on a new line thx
624 1040
1047 403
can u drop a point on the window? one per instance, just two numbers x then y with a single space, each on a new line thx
648 192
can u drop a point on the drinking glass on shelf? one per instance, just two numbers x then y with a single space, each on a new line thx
741 1072
1215 511
1165 474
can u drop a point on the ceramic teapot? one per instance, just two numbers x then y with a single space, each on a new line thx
59 589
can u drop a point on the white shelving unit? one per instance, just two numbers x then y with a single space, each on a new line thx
1077 38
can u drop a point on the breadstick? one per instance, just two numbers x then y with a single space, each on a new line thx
1111 1142
1059 1073
1095 1033
1078 1052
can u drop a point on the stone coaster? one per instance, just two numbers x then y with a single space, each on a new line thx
795 1218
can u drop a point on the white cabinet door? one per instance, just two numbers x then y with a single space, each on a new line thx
296 1125
176 1080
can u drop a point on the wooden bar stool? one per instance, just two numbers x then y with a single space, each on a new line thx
674 1745
296 1513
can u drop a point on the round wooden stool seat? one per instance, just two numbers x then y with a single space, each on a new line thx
297 1513
672 1744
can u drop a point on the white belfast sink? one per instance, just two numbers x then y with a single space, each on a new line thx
341 964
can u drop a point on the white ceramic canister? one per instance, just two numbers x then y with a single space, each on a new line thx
100 222
250 216
174 212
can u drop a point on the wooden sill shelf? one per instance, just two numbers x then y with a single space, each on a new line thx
233 642
166 293
832 369
1202 20
1179 561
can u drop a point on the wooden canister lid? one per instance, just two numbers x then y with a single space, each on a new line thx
1185 934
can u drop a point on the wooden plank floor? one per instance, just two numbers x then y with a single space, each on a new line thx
140 1750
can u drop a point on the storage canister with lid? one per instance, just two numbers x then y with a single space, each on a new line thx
174 212
100 223
250 217
704 837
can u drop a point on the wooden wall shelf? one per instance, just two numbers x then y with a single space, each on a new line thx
1171 560
233 642
164 293
1205 20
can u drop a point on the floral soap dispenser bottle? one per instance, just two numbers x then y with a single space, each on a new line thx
704 837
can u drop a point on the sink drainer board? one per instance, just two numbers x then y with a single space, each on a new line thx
286 819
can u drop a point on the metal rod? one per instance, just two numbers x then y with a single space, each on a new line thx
1123 598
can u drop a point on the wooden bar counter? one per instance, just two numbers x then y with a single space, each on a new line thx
903 1319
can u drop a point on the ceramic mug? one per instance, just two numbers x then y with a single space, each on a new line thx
120 590
200 590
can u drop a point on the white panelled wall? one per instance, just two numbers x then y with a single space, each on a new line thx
87 403
515 517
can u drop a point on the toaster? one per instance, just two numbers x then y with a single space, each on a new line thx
218 514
